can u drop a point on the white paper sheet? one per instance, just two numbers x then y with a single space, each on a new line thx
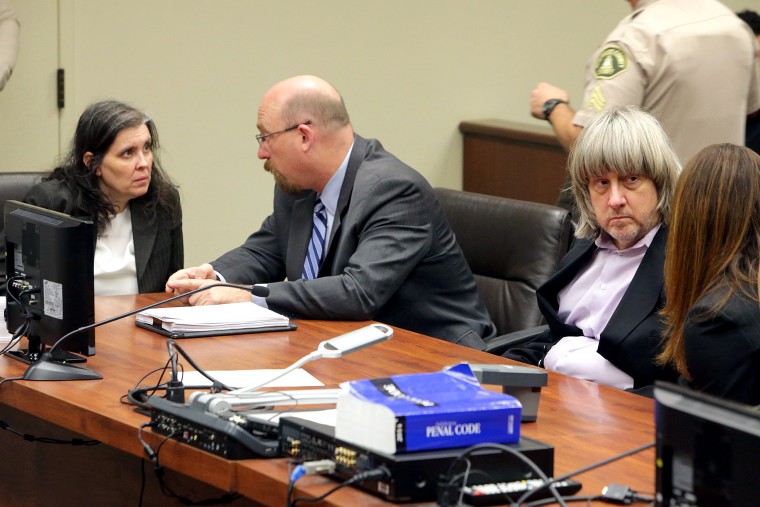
243 378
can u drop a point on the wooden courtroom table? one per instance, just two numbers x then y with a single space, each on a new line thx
585 422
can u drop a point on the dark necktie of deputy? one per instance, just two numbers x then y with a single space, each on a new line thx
316 243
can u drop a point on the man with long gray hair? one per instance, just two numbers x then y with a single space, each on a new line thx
603 304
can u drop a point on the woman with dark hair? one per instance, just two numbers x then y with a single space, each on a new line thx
712 266
112 175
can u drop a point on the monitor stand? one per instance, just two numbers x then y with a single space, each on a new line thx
35 350
42 366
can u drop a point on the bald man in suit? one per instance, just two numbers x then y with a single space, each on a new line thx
388 253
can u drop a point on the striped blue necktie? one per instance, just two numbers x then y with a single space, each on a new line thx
317 242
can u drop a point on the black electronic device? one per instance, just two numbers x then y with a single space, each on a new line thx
521 382
509 492
412 476
49 270
233 437
707 449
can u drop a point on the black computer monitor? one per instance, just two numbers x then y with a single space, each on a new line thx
707 449
49 284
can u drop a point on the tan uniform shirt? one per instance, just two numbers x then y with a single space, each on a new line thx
691 63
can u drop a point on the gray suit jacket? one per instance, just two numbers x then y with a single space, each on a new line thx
159 249
391 255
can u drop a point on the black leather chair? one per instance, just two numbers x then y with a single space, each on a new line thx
512 247
13 186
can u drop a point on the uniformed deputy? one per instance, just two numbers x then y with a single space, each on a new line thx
691 63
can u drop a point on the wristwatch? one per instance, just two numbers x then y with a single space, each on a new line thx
549 106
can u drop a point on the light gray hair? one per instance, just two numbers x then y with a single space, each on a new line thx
624 141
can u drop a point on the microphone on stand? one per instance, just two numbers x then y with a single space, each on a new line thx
48 368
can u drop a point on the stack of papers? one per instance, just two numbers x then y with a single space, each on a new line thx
212 318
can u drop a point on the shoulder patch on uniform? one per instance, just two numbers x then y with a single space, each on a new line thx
597 100
611 62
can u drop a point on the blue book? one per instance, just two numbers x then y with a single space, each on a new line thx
424 411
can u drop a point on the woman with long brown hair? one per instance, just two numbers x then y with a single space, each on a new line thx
712 263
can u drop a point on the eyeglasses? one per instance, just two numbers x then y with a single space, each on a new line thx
263 137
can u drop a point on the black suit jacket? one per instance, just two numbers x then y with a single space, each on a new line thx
723 349
158 240
391 256
631 339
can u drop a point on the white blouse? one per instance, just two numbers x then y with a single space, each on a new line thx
115 269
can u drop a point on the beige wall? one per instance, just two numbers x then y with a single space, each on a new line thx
409 71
